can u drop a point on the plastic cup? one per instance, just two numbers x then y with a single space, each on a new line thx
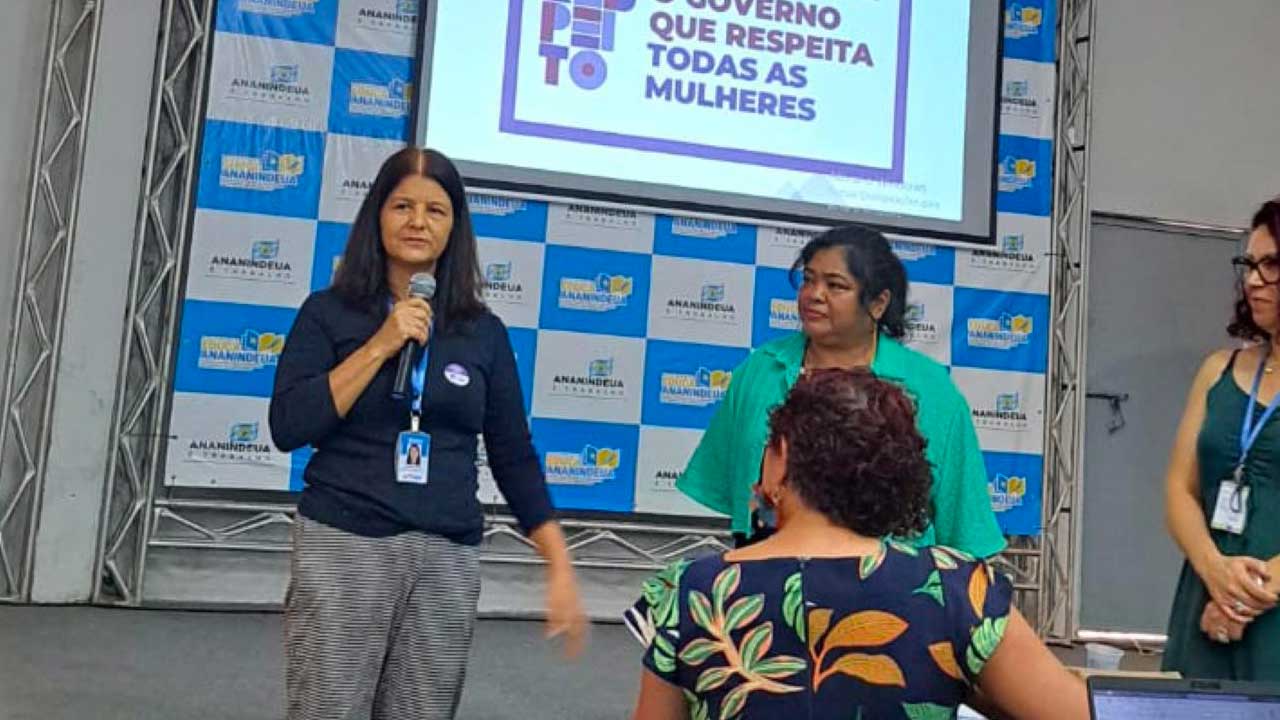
1102 657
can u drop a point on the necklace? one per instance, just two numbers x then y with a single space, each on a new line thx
806 364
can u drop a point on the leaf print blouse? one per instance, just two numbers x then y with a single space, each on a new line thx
899 634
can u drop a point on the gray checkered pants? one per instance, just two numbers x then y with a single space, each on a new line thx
377 627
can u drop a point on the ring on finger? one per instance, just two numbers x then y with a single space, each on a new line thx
1222 636
1240 607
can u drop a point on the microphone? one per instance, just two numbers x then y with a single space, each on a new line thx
421 285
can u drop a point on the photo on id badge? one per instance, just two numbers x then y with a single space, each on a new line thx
413 451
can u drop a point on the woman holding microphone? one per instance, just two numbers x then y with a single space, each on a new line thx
385 571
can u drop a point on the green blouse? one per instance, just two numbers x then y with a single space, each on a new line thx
727 461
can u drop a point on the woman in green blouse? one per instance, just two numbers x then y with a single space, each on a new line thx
852 299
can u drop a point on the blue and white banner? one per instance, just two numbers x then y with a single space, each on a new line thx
626 325
1029 30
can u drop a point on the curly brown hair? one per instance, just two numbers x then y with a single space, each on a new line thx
1242 325
854 453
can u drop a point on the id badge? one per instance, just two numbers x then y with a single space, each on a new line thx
413 453
1232 509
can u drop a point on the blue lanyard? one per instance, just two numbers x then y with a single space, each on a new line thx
419 380
1249 430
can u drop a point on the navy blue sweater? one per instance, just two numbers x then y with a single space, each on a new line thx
351 480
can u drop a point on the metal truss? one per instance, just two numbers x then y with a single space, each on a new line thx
136 519
159 260
40 289
225 525
608 545
263 527
1057 618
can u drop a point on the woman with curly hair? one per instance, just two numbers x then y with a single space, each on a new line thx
1223 486
827 618
852 299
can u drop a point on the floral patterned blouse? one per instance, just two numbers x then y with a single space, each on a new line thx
899 634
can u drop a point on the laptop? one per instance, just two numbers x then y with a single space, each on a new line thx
1123 698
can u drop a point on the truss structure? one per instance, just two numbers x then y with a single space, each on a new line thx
139 514
40 288
1058 615
143 389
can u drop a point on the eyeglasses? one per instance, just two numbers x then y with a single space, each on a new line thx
1268 268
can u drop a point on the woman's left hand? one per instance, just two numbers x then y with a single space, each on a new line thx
1220 628
564 613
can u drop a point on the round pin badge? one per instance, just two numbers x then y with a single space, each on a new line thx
456 374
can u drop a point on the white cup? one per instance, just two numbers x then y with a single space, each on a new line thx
1102 657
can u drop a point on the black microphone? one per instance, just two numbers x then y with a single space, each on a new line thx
421 285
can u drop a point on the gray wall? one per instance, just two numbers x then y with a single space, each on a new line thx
1185 107
1159 300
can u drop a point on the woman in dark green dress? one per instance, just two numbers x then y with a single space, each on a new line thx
1224 488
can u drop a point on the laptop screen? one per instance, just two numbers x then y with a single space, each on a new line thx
1130 704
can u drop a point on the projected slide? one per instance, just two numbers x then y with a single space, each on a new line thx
848 104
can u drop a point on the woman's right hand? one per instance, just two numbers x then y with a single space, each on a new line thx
1237 583
409 319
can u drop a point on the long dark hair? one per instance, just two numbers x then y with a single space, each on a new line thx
361 280
872 262
1242 325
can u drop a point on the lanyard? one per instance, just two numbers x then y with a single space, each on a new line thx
419 379
1249 429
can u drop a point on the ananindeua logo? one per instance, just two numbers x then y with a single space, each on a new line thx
1010 254
267 172
602 217
1007 491
253 350
708 304
700 389
784 314
790 239
281 84
1022 22
913 251
920 328
598 382
1016 174
278 8
389 100
403 17
262 262
494 206
705 229
1003 333
590 466
603 293
1018 99
241 445
665 480
500 283
1005 414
